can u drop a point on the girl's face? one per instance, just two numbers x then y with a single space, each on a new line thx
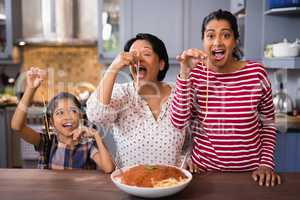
219 43
150 65
66 117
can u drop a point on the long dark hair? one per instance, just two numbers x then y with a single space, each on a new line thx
228 16
158 47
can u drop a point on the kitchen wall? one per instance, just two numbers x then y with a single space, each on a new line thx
72 68
86 27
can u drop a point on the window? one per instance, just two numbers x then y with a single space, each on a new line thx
110 23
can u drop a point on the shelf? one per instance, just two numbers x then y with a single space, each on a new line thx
283 11
282 63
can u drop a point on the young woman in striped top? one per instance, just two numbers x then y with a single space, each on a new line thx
227 103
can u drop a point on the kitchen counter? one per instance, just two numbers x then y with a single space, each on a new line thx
7 101
31 184
286 123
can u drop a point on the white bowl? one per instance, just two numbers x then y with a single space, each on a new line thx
285 49
147 192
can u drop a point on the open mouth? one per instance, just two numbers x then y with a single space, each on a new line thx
141 72
67 125
218 54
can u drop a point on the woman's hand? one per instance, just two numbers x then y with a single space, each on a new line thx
188 59
35 77
266 176
105 87
124 59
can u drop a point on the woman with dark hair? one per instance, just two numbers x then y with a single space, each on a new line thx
228 104
138 111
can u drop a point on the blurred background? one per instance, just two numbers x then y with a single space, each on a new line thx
75 40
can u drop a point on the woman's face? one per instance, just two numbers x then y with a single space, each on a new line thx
150 65
66 117
219 43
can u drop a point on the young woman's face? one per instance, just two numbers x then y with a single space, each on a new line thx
150 65
66 117
219 42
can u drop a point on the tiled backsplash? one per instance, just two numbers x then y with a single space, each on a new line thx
67 66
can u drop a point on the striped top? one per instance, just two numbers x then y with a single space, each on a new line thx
231 117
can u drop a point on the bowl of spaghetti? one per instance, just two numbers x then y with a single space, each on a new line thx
151 181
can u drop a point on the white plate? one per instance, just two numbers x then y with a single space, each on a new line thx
150 192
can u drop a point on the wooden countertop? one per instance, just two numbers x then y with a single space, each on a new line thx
29 184
284 122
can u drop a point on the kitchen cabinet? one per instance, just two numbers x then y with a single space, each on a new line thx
3 149
176 22
253 25
265 26
161 18
10 153
287 154
237 6
195 11
281 23
10 28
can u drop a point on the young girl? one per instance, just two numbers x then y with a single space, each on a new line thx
228 103
62 150
138 111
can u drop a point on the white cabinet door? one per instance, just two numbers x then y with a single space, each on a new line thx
195 11
163 18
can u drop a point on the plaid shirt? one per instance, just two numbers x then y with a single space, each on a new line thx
56 155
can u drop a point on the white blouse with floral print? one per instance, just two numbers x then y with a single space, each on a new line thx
139 137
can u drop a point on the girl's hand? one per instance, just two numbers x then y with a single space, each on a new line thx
85 132
35 77
188 59
266 176
124 59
